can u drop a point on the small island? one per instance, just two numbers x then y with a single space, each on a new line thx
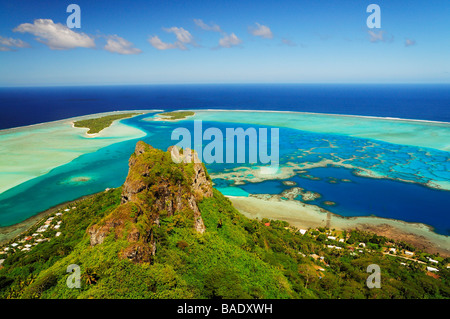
95 125
177 115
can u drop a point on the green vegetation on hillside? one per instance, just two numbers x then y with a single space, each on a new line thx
146 246
235 258
178 115
95 125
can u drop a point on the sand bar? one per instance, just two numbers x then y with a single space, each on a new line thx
31 151
304 216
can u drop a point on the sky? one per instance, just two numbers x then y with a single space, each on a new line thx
177 42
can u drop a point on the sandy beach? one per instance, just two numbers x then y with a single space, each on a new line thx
304 216
32 151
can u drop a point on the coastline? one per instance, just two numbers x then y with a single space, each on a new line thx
329 114
10 232
297 214
166 118
422 235
304 216
23 157
419 133
75 118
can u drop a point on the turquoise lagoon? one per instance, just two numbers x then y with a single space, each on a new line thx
368 166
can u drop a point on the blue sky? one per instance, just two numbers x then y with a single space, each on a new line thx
152 42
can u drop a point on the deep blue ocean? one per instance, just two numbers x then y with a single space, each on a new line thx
25 106
108 166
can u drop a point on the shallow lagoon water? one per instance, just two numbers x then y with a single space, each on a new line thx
31 151
364 196
390 198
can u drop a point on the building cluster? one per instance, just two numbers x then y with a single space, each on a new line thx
41 232
338 242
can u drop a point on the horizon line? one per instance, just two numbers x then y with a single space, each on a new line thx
224 83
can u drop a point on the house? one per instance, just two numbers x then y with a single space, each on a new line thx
1 261
66 210
314 256
43 228
393 250
362 245
58 214
432 269
341 240
58 234
409 253
302 231
14 244
267 224
331 237
432 260
28 238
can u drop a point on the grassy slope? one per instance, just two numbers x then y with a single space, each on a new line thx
97 124
235 258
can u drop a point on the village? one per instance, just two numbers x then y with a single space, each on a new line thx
334 240
333 243
43 231
339 243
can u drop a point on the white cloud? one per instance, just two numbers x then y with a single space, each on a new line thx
204 26
183 37
229 40
116 44
10 42
4 49
261 31
409 42
156 42
55 35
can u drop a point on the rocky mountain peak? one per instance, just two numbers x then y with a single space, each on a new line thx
156 187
